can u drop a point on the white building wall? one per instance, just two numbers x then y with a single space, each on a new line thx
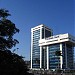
61 58
40 57
47 58
57 39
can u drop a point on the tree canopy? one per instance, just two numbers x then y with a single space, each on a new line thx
10 63
7 30
58 53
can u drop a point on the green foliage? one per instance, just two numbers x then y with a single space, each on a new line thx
58 71
7 30
58 53
4 13
10 63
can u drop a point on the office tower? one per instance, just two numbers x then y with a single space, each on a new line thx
44 46
65 44
37 33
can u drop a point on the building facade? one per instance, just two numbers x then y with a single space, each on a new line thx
64 43
37 33
44 45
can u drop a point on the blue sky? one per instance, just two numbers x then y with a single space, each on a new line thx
56 14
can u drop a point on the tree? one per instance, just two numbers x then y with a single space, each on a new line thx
10 63
7 30
58 53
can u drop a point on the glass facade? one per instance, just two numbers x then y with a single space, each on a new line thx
37 35
36 49
67 55
70 52
42 33
44 58
67 52
53 59
46 33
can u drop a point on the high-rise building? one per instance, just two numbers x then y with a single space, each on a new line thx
37 33
44 46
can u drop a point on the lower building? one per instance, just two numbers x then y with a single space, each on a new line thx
48 47
44 46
